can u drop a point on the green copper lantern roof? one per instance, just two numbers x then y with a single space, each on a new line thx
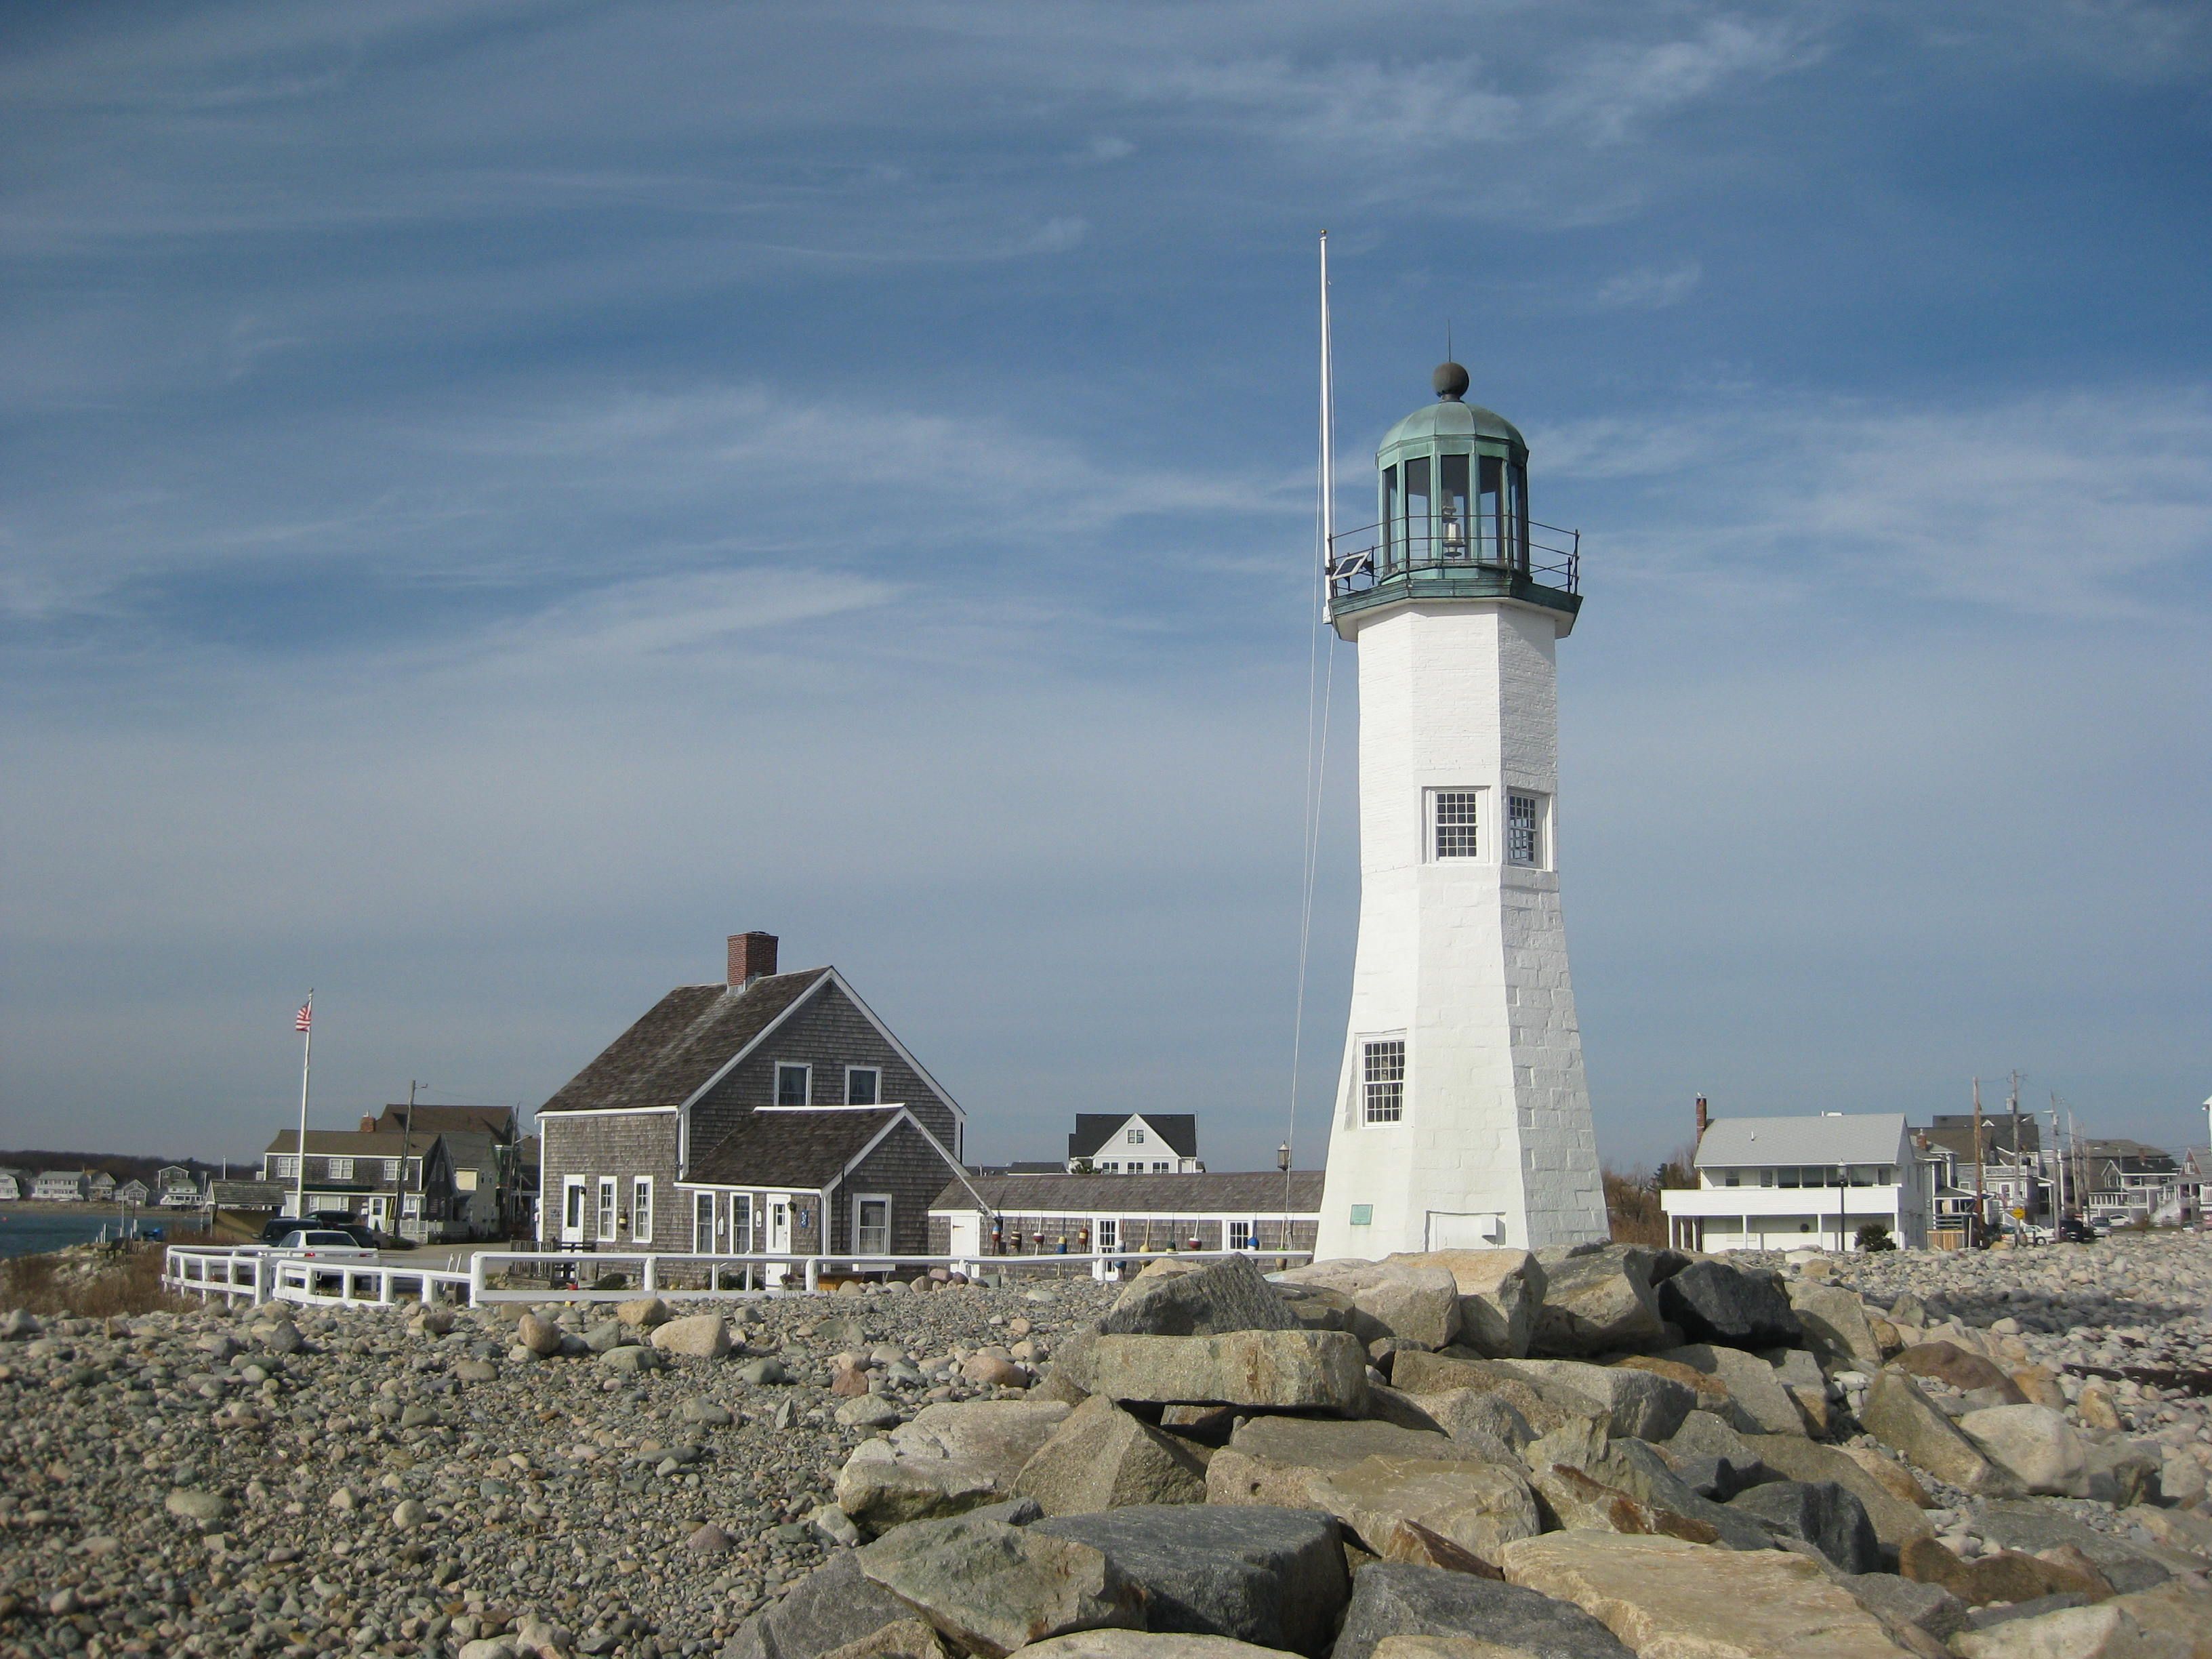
1449 416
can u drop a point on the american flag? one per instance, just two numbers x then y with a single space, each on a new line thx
305 1017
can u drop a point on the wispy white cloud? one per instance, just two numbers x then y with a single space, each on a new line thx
1614 88
1649 287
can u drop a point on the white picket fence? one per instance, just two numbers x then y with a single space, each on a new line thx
261 1275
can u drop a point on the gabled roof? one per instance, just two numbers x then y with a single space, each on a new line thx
788 1146
497 1121
1179 1130
1864 1138
1231 1192
351 1143
682 1042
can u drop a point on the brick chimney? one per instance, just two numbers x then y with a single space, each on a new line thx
752 955
1703 1120
367 1124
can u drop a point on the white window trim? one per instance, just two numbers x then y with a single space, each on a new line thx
783 1065
859 1199
640 1203
878 1072
338 1169
609 1196
1544 859
739 1245
1484 824
706 1196
1367 1040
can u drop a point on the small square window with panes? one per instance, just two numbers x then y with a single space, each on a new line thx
1383 1080
1457 815
1524 829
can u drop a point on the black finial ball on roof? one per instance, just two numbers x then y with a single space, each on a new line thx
1450 382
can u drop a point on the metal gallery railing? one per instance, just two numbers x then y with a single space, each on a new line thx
1361 560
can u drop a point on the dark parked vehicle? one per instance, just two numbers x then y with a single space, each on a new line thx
2074 1230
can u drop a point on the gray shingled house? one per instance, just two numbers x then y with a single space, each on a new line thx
773 1112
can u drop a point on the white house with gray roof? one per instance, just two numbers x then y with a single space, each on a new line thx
1787 1183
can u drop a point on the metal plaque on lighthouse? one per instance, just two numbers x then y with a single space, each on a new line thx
1461 1119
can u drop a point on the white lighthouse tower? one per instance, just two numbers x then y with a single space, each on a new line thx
1462 1117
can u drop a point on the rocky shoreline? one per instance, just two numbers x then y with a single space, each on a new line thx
1461 1456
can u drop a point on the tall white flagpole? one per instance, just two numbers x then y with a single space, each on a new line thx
1328 437
300 1147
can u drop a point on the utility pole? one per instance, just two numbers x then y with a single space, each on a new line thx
2019 1167
2058 1155
1981 1198
406 1140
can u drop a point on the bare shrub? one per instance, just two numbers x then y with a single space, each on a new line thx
91 1282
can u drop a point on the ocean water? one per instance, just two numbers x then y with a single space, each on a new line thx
26 1231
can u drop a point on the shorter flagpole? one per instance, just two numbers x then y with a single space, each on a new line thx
307 1022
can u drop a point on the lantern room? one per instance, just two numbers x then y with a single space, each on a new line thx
1452 515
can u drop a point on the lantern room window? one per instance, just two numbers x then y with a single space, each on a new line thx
1452 471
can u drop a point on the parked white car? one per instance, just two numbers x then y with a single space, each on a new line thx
324 1243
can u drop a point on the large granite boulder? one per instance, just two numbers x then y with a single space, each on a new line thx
1948 1362
1281 1370
1388 1485
1141 1644
1574 1502
1101 1457
1835 1322
953 1457
1821 1513
1905 1420
1407 1298
1487 1425
694 1336
1425 1374
1713 1302
1896 1520
1631 1467
2003 1576
2035 1445
1230 1294
2106 1631
2129 1564
1759 1403
1635 1402
830 1607
1665 1599
1393 1601
1272 1577
1598 1301
1500 1294
991 1589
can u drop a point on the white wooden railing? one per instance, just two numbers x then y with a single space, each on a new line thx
261 1275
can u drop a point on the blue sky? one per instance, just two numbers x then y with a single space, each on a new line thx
498 496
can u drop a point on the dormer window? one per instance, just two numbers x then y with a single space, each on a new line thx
794 1084
1136 1137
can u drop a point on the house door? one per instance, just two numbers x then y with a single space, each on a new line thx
702 1223
778 1236
380 1212
967 1232
572 1210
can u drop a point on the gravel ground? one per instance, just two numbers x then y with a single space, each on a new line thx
291 1481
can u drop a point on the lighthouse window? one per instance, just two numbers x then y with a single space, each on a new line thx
1389 515
1416 508
1451 481
1456 813
1382 1083
1489 529
1524 829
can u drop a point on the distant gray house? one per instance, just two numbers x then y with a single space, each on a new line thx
482 1150
99 1184
374 1178
176 1188
773 1112
16 1184
60 1185
132 1192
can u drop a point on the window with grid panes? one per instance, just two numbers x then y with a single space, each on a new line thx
1457 811
1524 829
1383 1080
